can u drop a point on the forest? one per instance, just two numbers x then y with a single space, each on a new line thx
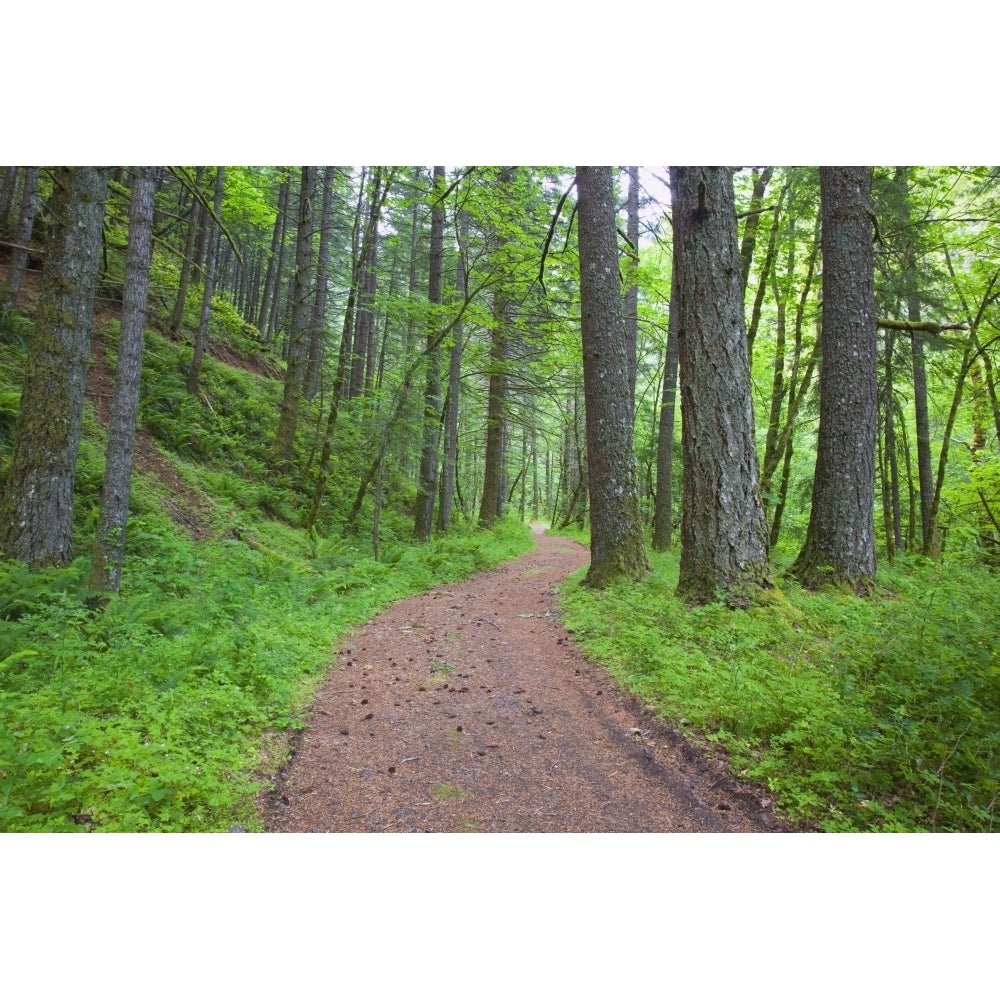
244 408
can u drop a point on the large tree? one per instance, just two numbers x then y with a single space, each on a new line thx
36 509
109 542
840 541
723 529
617 549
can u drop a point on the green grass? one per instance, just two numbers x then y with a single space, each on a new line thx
879 714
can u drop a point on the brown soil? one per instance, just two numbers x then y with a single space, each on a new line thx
184 505
468 708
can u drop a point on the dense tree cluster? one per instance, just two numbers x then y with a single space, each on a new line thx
467 342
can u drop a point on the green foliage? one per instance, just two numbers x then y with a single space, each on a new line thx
15 327
229 422
150 713
878 714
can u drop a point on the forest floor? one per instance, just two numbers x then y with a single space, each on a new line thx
468 708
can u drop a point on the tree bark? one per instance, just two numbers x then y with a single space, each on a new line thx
617 549
632 286
298 340
663 504
273 276
36 510
491 505
427 486
317 334
187 264
109 542
840 541
723 529
26 222
449 468
212 253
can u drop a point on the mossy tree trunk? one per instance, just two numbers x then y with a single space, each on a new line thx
317 333
617 549
492 503
36 509
212 235
19 256
723 529
840 541
109 542
298 337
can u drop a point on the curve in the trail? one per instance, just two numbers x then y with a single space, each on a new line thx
469 708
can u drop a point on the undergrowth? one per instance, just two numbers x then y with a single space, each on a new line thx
156 710
859 714
150 714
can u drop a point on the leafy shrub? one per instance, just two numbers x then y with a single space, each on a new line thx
880 714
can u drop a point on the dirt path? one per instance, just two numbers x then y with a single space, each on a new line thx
468 708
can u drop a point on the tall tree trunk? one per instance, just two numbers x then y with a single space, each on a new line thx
36 509
778 439
723 529
617 549
427 486
631 284
109 542
272 277
491 505
212 251
298 340
840 540
765 273
891 457
7 198
187 264
663 504
750 227
450 457
364 330
19 258
342 377
317 335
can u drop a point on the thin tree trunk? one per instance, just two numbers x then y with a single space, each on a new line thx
317 335
450 456
201 338
298 340
427 486
663 504
187 264
272 277
492 500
